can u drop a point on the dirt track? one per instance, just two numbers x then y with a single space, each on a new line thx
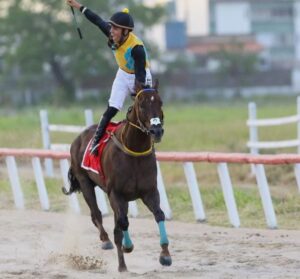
52 245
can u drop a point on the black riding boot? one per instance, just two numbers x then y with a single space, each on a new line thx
107 116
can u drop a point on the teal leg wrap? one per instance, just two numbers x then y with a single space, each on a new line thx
163 234
126 242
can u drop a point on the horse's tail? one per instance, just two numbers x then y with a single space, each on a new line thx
74 184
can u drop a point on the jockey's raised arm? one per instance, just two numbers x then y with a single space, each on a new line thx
91 16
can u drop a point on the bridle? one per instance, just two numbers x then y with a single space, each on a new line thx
139 126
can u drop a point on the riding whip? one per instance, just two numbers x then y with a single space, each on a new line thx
76 23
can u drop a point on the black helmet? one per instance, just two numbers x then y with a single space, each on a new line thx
122 19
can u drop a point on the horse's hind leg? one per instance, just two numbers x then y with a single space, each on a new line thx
151 200
121 235
90 198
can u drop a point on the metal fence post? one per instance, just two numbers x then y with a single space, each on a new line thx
64 167
133 210
38 173
46 141
265 195
228 194
164 203
88 117
15 182
298 123
253 133
194 191
297 166
297 175
101 201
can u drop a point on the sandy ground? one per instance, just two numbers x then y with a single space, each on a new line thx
53 245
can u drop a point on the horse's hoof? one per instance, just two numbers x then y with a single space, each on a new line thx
107 245
127 249
165 260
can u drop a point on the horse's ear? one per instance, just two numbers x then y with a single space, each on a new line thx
156 84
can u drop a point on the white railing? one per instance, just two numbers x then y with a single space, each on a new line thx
221 159
253 123
47 128
255 144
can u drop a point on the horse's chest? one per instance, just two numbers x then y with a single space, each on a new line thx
135 176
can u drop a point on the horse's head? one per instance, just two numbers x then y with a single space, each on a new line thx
148 109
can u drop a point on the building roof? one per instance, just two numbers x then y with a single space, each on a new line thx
205 45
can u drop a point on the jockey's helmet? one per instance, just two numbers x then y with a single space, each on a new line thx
122 19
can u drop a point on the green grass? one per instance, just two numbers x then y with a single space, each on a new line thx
187 127
198 127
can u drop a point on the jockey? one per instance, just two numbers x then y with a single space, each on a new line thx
131 57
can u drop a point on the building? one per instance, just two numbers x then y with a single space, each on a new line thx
185 18
271 21
195 14
205 45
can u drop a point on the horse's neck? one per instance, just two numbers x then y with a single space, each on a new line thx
134 138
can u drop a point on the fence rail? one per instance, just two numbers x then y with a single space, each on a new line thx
274 121
210 157
47 128
187 158
253 123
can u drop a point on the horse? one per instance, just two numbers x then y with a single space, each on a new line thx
129 165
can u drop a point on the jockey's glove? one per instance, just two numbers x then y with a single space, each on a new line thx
144 85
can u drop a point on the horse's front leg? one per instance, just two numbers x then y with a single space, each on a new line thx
121 235
151 200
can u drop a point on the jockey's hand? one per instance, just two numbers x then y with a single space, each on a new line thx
145 86
74 4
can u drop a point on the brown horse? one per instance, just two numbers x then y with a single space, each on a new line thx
129 166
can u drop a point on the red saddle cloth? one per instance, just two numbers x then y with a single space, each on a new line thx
93 163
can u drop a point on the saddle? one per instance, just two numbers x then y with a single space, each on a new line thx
93 163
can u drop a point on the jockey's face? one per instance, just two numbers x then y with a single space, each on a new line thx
116 33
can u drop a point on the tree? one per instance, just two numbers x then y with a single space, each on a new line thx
38 35
236 65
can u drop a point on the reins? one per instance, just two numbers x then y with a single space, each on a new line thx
139 126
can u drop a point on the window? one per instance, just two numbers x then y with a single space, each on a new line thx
282 12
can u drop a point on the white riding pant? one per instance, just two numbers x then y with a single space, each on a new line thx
123 85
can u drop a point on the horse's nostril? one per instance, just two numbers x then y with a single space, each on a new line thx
156 132
152 131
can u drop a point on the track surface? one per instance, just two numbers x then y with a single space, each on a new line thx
44 245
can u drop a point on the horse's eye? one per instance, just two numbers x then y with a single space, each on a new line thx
142 106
